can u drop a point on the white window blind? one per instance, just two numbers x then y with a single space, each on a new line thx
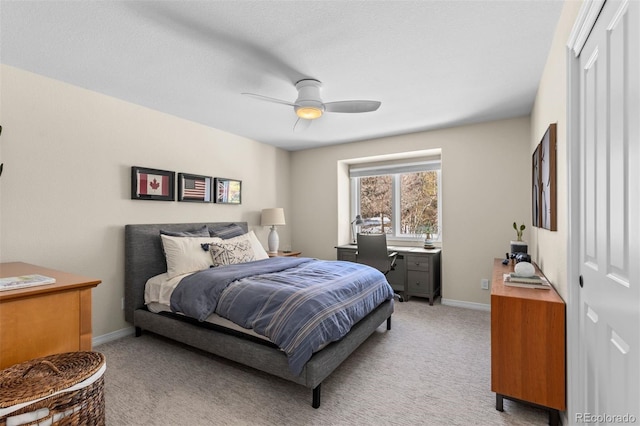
379 169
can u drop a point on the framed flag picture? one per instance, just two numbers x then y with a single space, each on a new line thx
152 184
228 191
194 188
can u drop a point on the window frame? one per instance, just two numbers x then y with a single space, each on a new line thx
395 171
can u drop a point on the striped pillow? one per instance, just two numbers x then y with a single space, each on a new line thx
227 231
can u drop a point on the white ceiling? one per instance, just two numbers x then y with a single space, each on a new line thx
432 64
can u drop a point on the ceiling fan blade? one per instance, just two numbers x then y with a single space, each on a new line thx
301 125
268 99
352 106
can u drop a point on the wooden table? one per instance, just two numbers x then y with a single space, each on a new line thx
285 254
45 319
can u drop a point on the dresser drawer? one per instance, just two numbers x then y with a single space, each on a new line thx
418 283
417 263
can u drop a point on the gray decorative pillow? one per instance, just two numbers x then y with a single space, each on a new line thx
231 251
227 231
202 232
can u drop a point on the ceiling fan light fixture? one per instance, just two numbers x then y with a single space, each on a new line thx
309 106
309 112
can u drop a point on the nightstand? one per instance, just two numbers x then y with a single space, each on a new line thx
285 254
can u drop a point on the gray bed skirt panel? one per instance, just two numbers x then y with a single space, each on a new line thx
262 357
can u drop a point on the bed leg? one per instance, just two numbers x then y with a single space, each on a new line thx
138 331
389 323
316 396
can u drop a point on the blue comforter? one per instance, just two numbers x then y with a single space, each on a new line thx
300 304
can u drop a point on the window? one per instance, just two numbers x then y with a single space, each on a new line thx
400 200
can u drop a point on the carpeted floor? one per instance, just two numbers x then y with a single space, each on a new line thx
432 368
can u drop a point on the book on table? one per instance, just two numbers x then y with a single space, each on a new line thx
22 281
534 281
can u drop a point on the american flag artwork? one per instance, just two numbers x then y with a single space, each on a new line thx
152 184
195 188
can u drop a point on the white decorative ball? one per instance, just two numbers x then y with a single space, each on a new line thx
524 269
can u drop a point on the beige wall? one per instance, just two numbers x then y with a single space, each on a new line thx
485 180
65 190
549 249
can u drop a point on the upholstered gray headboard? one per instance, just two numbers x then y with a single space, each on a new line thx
144 257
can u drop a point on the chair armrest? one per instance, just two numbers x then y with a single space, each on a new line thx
392 260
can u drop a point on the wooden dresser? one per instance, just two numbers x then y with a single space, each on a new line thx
45 319
527 344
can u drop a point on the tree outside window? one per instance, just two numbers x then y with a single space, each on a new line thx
400 204
375 204
418 201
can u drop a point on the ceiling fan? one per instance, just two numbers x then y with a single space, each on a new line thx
309 106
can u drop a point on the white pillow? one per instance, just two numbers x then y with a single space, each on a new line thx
258 251
185 254
238 249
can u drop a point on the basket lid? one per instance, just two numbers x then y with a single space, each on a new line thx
41 377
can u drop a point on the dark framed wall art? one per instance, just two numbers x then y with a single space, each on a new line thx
194 188
544 187
548 212
228 191
535 187
152 184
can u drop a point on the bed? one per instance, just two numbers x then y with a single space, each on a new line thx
145 258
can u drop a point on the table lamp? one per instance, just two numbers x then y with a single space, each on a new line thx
355 222
273 217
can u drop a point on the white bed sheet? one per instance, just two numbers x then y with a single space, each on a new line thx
157 297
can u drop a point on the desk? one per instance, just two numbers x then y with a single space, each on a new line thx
417 271
45 319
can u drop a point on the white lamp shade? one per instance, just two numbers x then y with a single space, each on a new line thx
274 216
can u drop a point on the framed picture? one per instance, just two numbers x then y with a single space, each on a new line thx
194 188
228 191
547 182
535 187
152 184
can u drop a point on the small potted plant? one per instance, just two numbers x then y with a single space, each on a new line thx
430 231
519 246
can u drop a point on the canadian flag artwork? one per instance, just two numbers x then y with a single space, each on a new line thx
150 184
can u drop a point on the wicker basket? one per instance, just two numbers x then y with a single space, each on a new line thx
61 389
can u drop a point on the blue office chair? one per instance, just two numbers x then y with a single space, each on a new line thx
373 251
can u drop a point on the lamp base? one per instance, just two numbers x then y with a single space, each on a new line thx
273 241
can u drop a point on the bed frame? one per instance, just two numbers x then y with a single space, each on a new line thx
144 258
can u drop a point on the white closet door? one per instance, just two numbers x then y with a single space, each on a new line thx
609 217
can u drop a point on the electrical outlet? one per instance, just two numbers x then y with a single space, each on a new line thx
484 284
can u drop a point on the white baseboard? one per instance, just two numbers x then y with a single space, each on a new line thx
468 305
114 335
